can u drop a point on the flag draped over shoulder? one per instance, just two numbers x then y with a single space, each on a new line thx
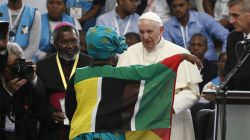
125 98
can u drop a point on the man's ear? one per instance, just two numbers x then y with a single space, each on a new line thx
162 30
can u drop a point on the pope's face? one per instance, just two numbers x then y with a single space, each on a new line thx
150 33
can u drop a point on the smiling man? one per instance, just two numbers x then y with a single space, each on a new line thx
56 71
56 14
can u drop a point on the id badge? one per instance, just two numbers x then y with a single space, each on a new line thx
62 103
76 12
9 125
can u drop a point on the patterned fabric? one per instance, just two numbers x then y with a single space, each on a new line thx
103 42
101 136
111 99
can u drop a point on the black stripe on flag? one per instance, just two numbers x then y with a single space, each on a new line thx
117 104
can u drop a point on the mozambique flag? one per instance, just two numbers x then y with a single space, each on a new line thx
125 98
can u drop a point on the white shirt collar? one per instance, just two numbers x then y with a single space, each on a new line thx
246 36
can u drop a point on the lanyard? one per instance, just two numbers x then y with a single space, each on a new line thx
184 34
126 29
12 23
77 3
61 71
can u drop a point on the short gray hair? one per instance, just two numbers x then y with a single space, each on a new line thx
15 49
245 4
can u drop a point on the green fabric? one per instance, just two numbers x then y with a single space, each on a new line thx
153 107
135 72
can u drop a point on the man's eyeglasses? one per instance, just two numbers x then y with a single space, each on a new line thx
68 43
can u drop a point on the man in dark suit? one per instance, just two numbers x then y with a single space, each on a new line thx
239 12
56 71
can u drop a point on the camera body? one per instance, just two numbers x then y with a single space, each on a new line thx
22 69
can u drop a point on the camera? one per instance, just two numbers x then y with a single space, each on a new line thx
22 70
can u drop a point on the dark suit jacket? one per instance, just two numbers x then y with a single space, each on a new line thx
241 80
47 69
25 104
209 72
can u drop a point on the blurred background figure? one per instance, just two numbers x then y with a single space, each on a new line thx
160 7
185 23
219 10
220 78
24 25
86 11
123 18
198 47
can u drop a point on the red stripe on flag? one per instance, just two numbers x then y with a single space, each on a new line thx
173 61
164 133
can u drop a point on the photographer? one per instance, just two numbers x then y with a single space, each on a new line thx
21 94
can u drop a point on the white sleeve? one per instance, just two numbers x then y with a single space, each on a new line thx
34 37
184 99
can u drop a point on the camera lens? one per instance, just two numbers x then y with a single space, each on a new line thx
22 69
27 72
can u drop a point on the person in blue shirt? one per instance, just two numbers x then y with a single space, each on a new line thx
185 23
88 11
123 18
24 25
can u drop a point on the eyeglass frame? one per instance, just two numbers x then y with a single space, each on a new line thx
69 43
